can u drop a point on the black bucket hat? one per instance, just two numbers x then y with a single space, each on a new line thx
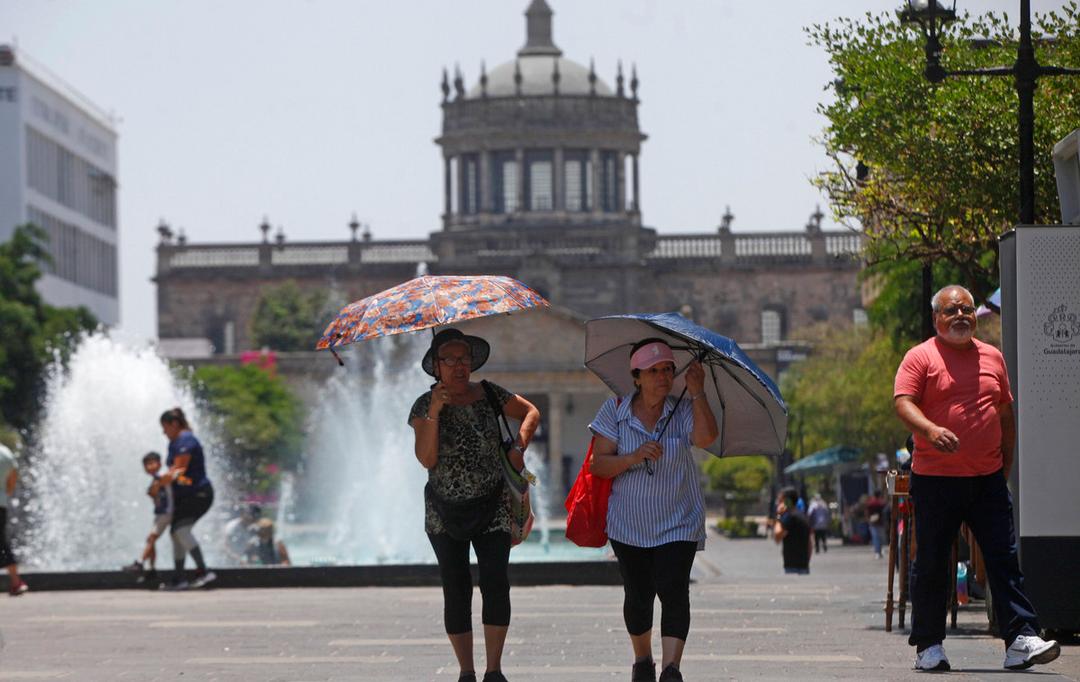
479 349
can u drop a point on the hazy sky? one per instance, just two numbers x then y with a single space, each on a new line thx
306 111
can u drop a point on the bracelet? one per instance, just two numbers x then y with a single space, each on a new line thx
695 397
431 419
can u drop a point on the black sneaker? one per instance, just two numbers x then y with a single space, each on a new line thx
644 671
671 674
494 676
133 567
467 677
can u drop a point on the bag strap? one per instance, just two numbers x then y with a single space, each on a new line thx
493 401
589 454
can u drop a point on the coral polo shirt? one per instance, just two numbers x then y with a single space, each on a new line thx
960 390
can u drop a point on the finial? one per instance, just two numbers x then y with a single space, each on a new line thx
726 220
517 77
459 82
354 225
555 74
814 224
366 236
619 90
264 226
280 236
445 85
483 79
633 82
181 238
592 76
164 231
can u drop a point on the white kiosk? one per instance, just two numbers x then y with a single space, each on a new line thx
1040 317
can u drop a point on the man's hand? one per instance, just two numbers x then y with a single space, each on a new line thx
943 439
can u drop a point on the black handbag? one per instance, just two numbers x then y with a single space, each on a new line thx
466 519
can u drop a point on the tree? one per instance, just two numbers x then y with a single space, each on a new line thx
930 171
260 420
32 329
741 479
288 318
842 394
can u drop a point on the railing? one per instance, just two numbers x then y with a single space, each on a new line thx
214 257
786 247
772 246
309 255
843 244
396 252
703 246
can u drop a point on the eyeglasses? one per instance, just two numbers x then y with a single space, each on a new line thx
954 309
455 361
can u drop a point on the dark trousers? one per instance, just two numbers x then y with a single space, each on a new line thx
820 540
985 505
649 572
7 557
493 559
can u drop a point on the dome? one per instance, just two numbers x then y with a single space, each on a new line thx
536 72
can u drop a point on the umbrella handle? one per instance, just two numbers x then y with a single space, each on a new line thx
648 464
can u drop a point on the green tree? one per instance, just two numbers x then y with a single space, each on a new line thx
842 394
32 329
288 318
938 181
259 418
741 479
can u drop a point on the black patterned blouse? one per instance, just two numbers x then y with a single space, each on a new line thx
468 465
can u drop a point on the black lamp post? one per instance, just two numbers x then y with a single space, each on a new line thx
1026 70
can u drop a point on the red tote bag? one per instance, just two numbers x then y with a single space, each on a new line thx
586 506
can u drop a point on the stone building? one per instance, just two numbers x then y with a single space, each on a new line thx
541 161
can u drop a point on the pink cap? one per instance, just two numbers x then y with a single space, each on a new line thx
652 354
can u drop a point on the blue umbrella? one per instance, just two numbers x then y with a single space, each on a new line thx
825 460
749 409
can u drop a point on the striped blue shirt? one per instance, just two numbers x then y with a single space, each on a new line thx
644 510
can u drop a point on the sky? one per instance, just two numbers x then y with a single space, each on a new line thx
306 111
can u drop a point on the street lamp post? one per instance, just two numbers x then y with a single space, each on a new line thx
1026 70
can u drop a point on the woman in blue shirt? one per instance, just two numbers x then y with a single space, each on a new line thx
192 495
656 517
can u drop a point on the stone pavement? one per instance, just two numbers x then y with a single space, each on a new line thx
750 621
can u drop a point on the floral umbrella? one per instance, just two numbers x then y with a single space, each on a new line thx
426 302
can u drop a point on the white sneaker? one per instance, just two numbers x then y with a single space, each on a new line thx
204 579
932 658
1027 650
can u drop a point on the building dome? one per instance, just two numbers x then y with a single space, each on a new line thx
537 78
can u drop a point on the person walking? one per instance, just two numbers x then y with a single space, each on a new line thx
192 496
793 530
952 392
820 519
9 476
656 518
875 510
458 440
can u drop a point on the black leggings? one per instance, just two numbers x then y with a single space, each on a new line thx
192 507
648 572
493 558
7 557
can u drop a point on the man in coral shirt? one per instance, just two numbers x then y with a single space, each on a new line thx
952 391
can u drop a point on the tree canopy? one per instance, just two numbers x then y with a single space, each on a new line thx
929 171
289 318
32 329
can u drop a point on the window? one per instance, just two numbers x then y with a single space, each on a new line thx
66 178
577 178
77 257
505 181
539 181
609 182
469 197
858 316
771 326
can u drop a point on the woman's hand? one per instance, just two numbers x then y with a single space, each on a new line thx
440 397
649 450
695 379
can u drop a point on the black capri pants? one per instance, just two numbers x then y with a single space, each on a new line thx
191 508
7 557
493 559
649 572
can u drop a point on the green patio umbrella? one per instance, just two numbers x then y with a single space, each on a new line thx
824 460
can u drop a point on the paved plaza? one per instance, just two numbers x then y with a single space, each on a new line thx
750 622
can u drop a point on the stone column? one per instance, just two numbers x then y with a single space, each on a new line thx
485 182
557 188
556 406
597 188
447 206
460 188
620 182
519 157
637 185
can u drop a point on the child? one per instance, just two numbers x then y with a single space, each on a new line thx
161 493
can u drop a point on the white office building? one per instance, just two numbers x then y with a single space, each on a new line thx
58 171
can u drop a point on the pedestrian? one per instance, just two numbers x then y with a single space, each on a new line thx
875 519
263 550
793 530
656 517
161 494
193 495
820 519
9 476
952 392
240 533
459 442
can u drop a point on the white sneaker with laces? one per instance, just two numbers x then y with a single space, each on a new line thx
932 658
1029 650
204 579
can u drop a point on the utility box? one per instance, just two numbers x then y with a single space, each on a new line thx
1067 172
1040 317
